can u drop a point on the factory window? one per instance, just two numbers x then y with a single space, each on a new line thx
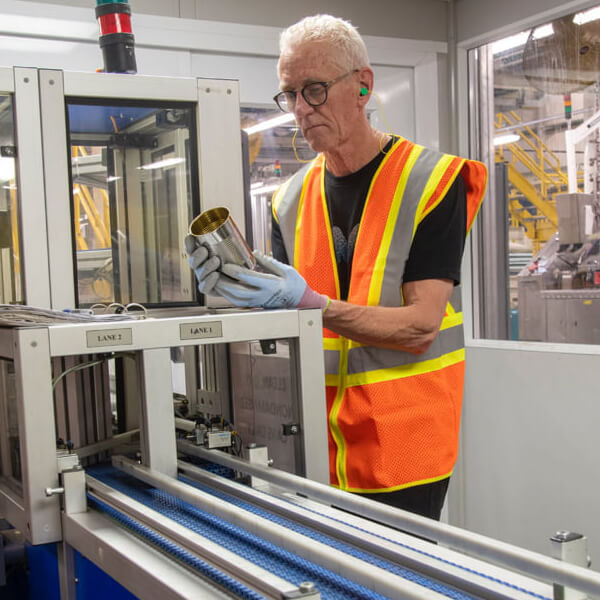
535 120
11 286
133 198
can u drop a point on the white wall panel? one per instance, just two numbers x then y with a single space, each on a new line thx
149 7
413 19
160 61
257 76
49 53
426 90
81 56
395 87
531 445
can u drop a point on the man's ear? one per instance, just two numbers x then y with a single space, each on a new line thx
365 77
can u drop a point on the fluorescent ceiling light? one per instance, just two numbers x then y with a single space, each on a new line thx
12 186
268 124
509 138
7 168
160 164
593 14
520 39
265 189
112 178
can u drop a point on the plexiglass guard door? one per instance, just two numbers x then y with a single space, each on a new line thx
133 196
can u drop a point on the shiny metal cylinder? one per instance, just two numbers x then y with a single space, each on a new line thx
216 229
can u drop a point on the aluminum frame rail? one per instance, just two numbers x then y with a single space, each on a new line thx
435 562
528 562
228 562
136 565
365 574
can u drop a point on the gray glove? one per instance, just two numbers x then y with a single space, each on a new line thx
277 286
204 266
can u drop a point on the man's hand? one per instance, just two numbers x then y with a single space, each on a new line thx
277 286
204 266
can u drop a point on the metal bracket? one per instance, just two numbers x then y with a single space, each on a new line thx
8 151
570 547
305 591
268 346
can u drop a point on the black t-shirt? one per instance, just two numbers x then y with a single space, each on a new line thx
436 250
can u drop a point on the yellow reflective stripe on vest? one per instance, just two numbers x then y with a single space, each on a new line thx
452 321
432 183
338 438
329 230
382 255
394 488
381 375
333 343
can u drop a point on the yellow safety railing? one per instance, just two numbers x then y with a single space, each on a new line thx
84 200
16 248
535 173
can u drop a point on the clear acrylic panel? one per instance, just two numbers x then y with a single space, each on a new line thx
276 150
10 453
535 105
11 281
135 191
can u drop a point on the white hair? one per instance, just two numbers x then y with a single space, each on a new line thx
349 49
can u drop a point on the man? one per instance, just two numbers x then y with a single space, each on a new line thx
374 228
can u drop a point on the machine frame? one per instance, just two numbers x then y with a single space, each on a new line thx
32 349
41 131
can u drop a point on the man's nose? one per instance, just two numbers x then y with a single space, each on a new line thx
302 107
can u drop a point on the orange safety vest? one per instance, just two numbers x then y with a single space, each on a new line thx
393 416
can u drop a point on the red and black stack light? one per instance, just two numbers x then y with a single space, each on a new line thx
116 37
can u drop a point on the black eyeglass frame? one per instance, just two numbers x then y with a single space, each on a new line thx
325 84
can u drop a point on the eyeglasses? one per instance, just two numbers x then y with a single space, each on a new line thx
314 93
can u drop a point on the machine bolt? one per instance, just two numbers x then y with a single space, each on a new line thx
306 587
54 491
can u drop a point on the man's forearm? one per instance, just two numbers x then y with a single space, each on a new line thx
411 327
399 328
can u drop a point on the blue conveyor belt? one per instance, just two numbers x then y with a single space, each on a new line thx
267 555
208 571
271 557
406 573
